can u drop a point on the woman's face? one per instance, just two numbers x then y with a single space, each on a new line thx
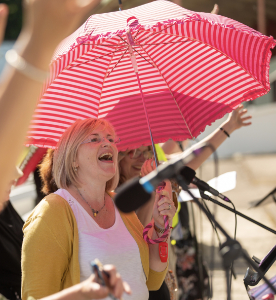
131 167
97 156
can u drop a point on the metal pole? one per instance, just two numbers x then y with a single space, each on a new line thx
142 95
135 67
261 16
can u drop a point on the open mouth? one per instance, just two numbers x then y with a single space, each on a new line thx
137 168
107 157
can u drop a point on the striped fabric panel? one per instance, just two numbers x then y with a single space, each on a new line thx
193 68
122 105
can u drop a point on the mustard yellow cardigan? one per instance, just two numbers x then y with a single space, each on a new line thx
50 250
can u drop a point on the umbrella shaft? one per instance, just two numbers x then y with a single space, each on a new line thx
153 147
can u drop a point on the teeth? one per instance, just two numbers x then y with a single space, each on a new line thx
106 154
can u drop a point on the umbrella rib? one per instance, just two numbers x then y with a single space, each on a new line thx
171 94
117 63
112 52
136 34
144 58
102 45
104 81
155 44
123 40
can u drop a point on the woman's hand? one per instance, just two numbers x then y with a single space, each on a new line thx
53 20
148 166
237 118
163 207
46 24
90 289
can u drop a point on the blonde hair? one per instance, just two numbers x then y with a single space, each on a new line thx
66 153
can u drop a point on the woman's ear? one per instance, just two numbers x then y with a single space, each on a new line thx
75 165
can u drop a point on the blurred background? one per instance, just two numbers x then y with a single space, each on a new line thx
251 151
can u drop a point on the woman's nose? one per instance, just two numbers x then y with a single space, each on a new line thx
105 142
141 158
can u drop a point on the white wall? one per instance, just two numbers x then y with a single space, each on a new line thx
258 138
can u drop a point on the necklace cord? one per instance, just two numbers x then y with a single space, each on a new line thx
95 212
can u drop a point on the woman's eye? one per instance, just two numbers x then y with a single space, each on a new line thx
111 140
130 153
94 140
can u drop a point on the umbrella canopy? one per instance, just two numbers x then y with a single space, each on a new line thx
193 69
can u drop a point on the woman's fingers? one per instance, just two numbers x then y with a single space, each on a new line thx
110 274
127 288
166 206
118 288
148 166
114 282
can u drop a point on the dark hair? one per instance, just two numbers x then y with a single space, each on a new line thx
45 169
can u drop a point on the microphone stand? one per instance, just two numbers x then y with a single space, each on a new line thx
206 197
231 249
257 203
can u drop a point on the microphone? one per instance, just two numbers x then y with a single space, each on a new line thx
204 186
131 195
136 192
170 169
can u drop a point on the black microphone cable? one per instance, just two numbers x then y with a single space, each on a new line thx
215 155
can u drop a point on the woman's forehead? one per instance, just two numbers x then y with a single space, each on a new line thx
143 148
104 130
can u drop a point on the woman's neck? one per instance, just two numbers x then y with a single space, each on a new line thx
92 193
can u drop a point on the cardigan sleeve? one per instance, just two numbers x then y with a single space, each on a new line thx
45 251
156 279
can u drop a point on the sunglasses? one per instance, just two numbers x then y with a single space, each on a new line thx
136 153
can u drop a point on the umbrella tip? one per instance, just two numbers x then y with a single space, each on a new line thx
132 21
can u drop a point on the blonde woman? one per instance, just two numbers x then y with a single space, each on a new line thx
79 222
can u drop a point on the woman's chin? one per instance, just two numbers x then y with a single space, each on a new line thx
135 172
108 169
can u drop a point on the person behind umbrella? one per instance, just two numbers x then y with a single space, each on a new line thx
131 161
139 162
80 222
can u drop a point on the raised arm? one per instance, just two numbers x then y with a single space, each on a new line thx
236 120
46 23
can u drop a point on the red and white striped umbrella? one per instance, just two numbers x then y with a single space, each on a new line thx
193 68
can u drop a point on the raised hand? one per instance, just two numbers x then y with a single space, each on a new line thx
163 206
238 118
56 19
148 166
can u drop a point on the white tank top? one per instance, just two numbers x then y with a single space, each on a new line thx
114 245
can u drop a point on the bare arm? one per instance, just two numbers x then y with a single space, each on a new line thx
46 23
162 207
236 120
